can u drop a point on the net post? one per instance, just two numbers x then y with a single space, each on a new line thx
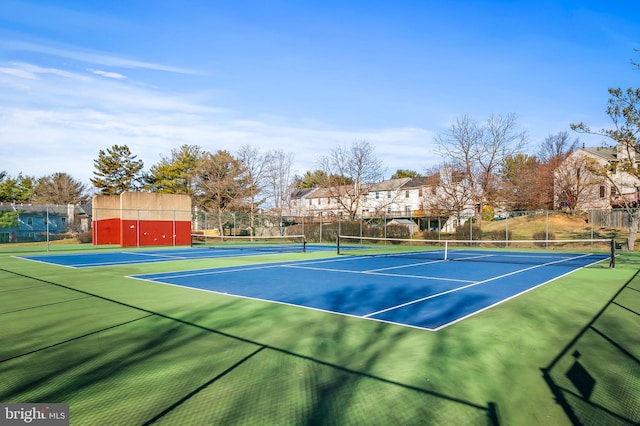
612 260
304 244
338 244
446 249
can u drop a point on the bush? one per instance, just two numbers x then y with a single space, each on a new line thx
499 234
542 235
398 231
463 232
84 237
312 232
430 235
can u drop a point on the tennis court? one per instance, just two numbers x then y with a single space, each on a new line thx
416 289
286 337
230 248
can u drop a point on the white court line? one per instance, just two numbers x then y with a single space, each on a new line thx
511 297
202 272
223 269
158 255
44 262
402 305
422 277
478 256
405 266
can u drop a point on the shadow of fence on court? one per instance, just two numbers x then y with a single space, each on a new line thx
596 377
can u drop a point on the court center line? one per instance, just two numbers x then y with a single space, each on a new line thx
411 265
199 273
179 274
158 255
433 296
422 277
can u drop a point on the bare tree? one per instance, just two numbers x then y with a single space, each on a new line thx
357 164
60 188
448 191
575 184
256 169
222 182
556 148
550 154
479 150
520 180
279 177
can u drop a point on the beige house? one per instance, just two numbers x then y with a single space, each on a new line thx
577 187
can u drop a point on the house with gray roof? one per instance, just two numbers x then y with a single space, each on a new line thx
37 222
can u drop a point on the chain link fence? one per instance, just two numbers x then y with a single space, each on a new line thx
73 227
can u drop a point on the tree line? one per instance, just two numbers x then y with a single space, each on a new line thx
484 164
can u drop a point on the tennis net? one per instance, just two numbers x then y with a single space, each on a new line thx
276 244
502 251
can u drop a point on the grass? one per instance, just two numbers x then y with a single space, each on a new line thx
559 226
123 351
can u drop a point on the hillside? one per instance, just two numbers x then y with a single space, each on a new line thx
559 226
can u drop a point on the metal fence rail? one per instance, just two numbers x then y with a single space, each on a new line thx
45 225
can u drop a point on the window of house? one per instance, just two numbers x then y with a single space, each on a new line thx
388 194
406 194
420 192
602 191
29 221
377 195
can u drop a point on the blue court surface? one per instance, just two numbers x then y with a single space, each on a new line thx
126 257
421 293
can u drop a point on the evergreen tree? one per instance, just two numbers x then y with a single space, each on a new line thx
175 174
405 173
16 190
117 171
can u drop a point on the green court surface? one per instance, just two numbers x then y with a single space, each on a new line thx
129 352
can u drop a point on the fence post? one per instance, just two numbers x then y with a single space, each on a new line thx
47 226
506 230
546 243
384 219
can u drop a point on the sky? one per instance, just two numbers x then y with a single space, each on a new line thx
77 77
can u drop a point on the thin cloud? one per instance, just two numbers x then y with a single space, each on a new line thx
107 74
91 56
63 122
31 72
